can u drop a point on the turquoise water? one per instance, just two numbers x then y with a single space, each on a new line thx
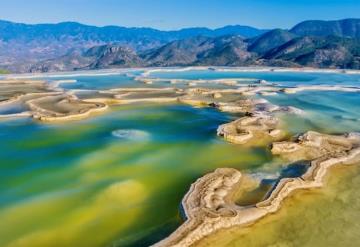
117 179
329 112
126 190
282 78
99 82
12 108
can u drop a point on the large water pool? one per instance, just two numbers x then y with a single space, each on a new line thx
117 179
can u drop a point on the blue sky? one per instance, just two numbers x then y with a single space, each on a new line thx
175 14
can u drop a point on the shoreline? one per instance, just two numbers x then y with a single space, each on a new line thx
210 208
210 204
149 70
189 93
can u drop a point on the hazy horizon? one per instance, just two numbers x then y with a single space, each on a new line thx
212 28
174 15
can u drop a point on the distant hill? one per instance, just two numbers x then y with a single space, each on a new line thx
244 31
73 46
343 28
109 56
72 61
224 50
177 53
328 52
270 40
27 32
98 57
227 51
43 41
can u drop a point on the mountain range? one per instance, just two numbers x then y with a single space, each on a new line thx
73 46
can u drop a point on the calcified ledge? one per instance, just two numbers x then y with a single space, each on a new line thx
209 205
45 101
252 128
321 88
149 71
49 102
63 108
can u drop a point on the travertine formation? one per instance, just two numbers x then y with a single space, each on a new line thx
210 205
229 95
13 90
251 129
313 145
48 102
321 88
45 101
62 107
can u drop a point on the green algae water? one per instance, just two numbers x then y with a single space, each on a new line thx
117 179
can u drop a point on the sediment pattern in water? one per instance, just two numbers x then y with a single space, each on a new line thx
214 197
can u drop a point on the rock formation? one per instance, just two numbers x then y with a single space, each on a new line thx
313 145
210 206
251 129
